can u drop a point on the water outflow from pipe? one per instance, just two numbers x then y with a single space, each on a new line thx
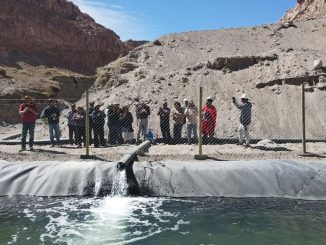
119 183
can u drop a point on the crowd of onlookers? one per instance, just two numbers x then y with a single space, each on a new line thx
120 121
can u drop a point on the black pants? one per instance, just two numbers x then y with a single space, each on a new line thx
177 130
98 135
80 135
165 129
113 134
72 134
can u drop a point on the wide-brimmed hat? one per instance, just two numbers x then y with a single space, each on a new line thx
245 97
210 98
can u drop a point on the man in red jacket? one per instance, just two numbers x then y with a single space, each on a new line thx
28 114
209 119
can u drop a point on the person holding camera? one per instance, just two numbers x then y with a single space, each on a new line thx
28 113
245 119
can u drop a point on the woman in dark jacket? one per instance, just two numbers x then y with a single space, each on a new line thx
126 120
113 124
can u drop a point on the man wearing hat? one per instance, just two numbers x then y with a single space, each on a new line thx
28 113
209 115
245 119
142 113
186 101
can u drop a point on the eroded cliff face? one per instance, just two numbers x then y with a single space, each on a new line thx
306 10
55 33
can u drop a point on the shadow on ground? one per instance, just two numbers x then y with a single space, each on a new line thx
50 151
266 148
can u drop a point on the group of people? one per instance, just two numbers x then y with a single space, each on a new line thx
187 115
120 122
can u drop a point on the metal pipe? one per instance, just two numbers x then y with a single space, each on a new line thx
129 157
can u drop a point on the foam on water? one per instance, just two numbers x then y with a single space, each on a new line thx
112 220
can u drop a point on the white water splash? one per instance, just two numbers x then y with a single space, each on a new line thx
112 220
119 184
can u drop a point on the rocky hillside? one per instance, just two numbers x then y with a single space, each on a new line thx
55 33
266 62
306 10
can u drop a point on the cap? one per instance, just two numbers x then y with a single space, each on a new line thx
186 100
27 97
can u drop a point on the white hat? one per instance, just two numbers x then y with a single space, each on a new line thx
186 100
210 98
245 96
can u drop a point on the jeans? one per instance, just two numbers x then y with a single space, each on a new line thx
192 129
30 127
54 132
142 128
177 130
244 134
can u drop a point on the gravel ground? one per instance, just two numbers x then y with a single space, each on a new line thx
317 151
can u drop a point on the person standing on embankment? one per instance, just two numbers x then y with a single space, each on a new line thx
179 119
98 121
142 112
28 113
209 115
52 114
245 119
164 113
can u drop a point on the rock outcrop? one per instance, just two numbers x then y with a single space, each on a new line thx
55 33
305 10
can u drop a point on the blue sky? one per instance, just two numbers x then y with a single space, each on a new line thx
149 19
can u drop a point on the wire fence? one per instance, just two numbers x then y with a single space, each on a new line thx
249 122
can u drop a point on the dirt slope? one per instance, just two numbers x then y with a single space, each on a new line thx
265 62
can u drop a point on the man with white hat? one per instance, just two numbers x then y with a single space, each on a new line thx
186 101
245 119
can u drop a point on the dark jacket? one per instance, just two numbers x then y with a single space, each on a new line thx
52 113
98 117
142 112
164 114
113 118
126 121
